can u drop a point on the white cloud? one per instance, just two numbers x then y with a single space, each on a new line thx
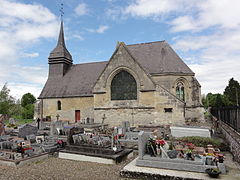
30 55
22 79
218 59
100 30
81 9
153 8
210 13
21 25
214 76
18 89
78 37
35 13
212 35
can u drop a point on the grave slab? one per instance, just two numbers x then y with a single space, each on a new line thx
189 131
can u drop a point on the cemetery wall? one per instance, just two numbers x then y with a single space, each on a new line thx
233 139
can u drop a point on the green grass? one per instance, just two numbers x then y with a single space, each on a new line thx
200 141
20 121
24 121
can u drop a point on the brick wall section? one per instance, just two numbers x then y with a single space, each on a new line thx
233 139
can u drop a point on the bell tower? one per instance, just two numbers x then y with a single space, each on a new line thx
59 60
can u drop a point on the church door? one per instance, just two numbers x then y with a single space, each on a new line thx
77 115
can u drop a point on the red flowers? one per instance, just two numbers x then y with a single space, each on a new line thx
161 142
190 145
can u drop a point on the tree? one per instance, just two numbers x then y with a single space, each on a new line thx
6 101
27 103
28 111
232 91
27 98
215 100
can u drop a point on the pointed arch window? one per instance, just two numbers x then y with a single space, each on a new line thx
180 91
123 87
59 105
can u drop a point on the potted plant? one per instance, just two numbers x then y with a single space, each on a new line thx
213 172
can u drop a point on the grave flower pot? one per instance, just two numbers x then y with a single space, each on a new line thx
213 172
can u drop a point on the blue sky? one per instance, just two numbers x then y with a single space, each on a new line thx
205 33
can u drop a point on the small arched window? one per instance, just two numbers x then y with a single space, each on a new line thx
59 105
180 91
123 87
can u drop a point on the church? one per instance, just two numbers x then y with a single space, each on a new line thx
146 83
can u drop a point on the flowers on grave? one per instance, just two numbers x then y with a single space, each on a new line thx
209 154
190 145
220 158
160 142
189 155
151 147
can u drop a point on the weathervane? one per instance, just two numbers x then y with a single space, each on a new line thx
61 11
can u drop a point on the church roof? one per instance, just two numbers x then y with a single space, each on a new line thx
155 58
159 58
60 52
78 81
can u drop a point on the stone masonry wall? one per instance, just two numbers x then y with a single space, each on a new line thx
69 105
233 138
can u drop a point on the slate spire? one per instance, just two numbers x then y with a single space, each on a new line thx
60 54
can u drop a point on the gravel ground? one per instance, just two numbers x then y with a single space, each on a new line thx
55 168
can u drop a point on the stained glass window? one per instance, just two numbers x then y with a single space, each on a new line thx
123 87
180 91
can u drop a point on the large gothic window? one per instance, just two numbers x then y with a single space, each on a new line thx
123 87
180 91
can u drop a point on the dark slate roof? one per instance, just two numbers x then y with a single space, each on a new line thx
60 51
154 57
159 58
78 81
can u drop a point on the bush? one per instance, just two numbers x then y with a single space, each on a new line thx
200 141
207 115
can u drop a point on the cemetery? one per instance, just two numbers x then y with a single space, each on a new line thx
176 148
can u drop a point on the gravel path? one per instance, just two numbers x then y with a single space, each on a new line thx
55 168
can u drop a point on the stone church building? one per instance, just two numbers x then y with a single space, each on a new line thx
145 83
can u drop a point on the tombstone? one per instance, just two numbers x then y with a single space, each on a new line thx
57 127
26 130
12 121
76 139
31 138
74 131
2 129
40 139
125 126
222 168
172 154
142 143
164 154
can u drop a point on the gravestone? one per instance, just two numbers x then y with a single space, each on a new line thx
142 143
74 131
26 130
12 121
189 131
172 154
125 127
57 127
2 129
31 138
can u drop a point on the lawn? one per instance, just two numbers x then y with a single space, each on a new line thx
20 121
